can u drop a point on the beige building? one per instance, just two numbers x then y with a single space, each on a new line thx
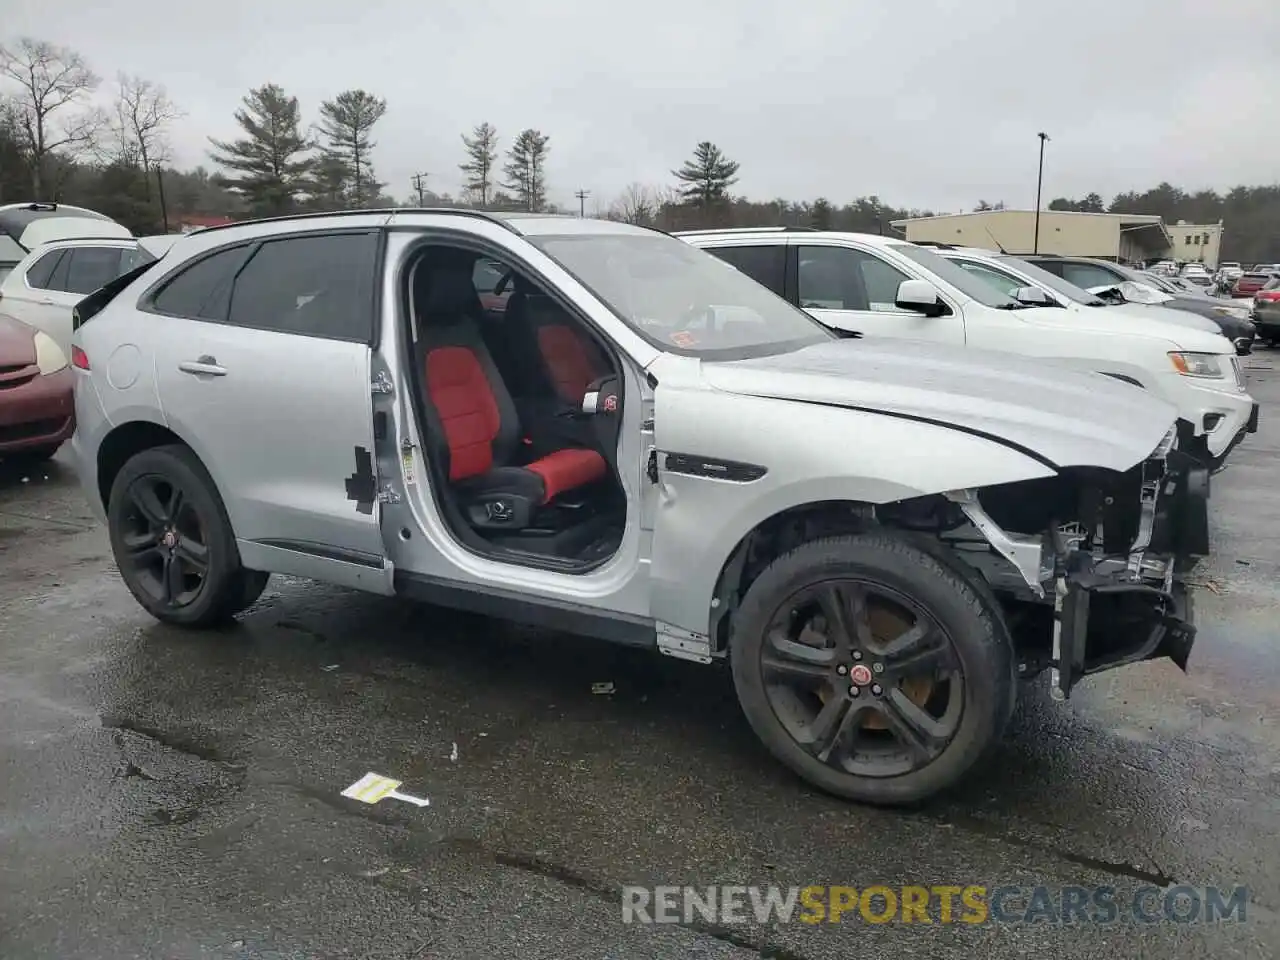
1197 241
1111 236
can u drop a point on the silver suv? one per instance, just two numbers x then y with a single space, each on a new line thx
630 439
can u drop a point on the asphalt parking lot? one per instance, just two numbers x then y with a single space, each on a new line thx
165 795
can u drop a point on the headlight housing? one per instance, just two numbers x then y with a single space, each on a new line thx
49 356
1207 365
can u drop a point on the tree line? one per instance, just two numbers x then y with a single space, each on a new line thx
57 143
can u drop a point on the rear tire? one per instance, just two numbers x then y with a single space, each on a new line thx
964 638
173 542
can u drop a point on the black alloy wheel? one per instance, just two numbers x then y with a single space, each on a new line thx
862 677
877 668
173 542
164 541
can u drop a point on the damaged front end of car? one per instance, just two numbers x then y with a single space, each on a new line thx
1090 562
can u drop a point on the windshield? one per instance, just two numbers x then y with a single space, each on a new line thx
1157 281
1043 278
955 275
682 299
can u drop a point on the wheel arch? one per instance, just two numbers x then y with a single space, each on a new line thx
126 441
769 539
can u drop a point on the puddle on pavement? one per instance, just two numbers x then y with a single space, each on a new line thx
1238 656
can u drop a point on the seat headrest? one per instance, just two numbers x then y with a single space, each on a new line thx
442 291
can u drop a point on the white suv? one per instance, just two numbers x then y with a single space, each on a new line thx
883 286
43 287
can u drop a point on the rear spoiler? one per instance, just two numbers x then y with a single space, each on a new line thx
93 304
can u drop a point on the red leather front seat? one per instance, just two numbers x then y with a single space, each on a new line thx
468 406
570 362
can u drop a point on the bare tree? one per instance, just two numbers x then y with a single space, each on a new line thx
53 85
139 129
638 204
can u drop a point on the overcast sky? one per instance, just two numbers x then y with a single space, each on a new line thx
928 104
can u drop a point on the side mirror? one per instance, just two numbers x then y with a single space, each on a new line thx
919 296
1033 297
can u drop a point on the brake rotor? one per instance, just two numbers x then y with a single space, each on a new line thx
885 626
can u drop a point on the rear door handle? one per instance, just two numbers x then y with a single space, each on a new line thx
205 366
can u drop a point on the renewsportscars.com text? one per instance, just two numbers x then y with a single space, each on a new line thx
935 904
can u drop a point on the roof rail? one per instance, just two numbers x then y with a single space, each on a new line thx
286 218
934 243
783 229
89 239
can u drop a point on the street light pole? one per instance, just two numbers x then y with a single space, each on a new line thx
1039 182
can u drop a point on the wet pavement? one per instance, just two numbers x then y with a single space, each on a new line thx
173 795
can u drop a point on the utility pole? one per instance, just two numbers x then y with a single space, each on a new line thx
1039 182
419 179
582 201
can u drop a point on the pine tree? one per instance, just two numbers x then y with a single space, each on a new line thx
271 159
346 123
526 176
482 156
707 177
820 214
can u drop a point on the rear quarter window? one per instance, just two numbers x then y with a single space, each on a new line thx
201 291
765 265
41 271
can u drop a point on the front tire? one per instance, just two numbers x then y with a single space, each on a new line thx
872 669
173 542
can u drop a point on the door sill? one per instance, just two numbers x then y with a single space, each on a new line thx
345 568
518 607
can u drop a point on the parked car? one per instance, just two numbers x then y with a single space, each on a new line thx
42 288
1250 283
683 461
1197 274
36 408
1266 312
852 282
1095 275
24 226
1218 404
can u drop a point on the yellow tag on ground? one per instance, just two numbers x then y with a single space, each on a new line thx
373 787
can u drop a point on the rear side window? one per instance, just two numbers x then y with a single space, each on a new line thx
41 271
1089 275
91 268
320 286
486 275
765 265
203 290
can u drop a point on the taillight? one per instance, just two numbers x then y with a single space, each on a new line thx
79 359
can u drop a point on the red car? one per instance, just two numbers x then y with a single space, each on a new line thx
37 412
1250 283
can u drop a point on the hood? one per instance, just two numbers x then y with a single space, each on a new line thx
17 343
1177 329
1224 318
1061 416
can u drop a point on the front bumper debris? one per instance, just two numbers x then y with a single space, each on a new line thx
1112 610
1105 620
